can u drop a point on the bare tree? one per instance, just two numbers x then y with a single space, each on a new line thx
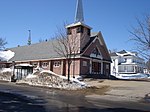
141 37
2 43
67 47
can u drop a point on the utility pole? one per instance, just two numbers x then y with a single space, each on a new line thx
29 39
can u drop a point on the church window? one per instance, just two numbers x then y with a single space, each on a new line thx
89 32
44 64
68 31
95 53
84 63
80 29
57 64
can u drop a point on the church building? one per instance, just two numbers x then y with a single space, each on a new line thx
90 59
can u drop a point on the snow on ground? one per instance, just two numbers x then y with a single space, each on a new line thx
30 76
132 76
63 77
50 79
6 55
6 70
5 74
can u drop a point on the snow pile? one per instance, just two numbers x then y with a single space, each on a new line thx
6 55
31 76
3 70
5 74
132 76
50 79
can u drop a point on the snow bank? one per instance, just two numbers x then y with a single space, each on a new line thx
65 78
6 55
50 79
5 70
132 76
30 76
5 74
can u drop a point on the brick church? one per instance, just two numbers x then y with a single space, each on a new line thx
91 56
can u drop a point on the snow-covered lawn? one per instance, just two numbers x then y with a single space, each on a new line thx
132 76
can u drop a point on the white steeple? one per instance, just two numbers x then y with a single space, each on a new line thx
79 12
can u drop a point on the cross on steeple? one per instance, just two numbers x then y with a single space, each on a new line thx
79 12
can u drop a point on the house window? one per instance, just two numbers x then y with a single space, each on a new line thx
80 29
44 64
57 64
84 63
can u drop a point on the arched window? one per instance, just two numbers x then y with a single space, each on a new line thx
96 53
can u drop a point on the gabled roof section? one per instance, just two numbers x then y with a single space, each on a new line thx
39 51
94 34
92 37
127 55
103 48
122 52
113 54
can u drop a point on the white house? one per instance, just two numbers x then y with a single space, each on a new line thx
125 62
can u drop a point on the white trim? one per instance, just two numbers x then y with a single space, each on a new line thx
77 24
102 67
90 66
37 60
62 67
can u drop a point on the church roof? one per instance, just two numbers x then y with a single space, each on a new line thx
122 52
113 54
39 51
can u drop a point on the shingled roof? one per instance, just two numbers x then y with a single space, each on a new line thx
113 54
38 51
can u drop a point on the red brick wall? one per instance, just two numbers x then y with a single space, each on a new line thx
74 68
85 66
57 67
79 40
106 69
100 47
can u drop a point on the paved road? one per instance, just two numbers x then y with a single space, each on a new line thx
22 98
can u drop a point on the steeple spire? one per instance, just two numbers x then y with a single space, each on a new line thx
29 39
79 12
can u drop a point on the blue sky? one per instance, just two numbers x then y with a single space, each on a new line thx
112 17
